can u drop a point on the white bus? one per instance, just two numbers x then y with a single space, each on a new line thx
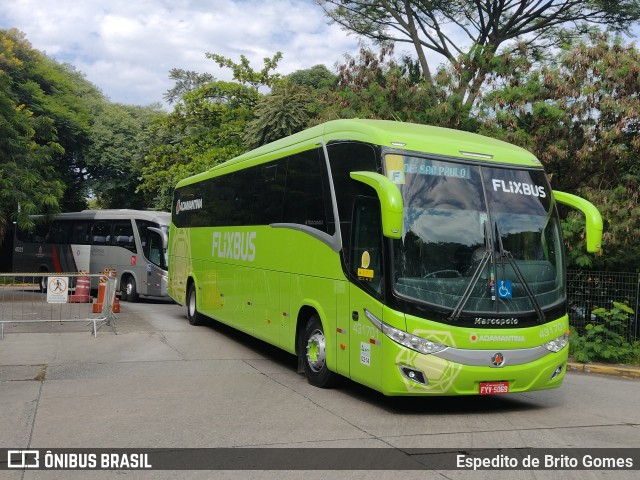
132 242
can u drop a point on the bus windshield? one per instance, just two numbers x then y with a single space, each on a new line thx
476 238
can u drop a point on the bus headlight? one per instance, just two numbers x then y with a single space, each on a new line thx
413 342
557 344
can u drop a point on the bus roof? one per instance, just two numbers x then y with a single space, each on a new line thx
386 133
115 214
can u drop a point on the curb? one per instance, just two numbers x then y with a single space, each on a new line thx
604 370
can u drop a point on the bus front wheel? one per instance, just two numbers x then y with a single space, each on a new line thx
314 355
194 316
129 292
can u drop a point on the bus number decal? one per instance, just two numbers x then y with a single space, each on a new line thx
366 331
552 330
234 245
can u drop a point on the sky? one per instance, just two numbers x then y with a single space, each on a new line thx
127 47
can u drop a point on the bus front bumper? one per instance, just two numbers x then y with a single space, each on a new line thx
410 373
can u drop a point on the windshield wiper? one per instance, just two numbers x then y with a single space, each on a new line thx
488 254
507 254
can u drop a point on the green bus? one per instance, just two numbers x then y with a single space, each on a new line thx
415 260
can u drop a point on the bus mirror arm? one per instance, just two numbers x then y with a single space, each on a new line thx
593 219
390 201
163 236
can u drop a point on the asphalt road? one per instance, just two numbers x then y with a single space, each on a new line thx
160 382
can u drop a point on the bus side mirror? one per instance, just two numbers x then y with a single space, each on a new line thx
593 219
163 236
390 201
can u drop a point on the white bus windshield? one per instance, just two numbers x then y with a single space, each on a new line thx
476 238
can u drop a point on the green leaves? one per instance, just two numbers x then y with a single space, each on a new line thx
606 340
30 140
478 39
205 128
245 74
285 111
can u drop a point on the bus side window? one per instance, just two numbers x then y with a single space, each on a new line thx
36 234
80 233
123 235
101 232
306 197
59 232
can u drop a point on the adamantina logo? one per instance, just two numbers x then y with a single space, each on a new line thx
185 206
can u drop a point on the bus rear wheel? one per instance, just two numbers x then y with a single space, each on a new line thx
314 355
43 283
194 316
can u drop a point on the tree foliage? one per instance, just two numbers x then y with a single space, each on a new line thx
60 138
244 73
577 108
470 35
186 81
115 156
287 109
580 114
317 77
43 128
206 127
376 85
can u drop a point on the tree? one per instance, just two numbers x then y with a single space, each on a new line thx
206 127
114 159
284 111
186 81
317 77
375 85
290 105
29 182
245 74
471 34
580 115
74 107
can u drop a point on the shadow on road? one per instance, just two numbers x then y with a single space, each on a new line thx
406 405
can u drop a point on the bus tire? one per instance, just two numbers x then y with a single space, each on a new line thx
130 291
195 317
43 283
314 355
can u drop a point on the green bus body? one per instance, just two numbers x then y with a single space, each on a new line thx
415 260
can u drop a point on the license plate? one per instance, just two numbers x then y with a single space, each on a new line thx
494 388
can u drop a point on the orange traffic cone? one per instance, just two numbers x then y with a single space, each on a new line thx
102 288
82 292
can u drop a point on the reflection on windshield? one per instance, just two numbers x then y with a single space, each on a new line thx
447 207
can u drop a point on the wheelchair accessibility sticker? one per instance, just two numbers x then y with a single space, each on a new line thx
504 288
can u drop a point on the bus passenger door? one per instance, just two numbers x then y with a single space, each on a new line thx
155 253
365 265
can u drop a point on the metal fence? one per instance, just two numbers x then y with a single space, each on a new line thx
587 291
27 298
22 299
